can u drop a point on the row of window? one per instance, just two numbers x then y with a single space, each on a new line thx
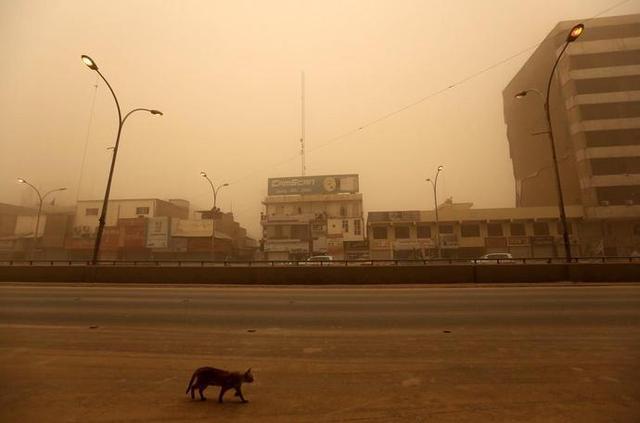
467 230
93 211
343 211
302 232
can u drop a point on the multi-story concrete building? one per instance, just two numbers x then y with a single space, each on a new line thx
466 232
125 233
311 215
595 111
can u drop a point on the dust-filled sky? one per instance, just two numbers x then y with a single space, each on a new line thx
227 74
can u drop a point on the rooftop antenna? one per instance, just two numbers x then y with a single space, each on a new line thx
302 152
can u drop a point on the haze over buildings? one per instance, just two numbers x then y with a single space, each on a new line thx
227 77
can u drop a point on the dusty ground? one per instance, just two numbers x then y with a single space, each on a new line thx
545 354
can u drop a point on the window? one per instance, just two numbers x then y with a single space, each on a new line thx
157 226
446 229
357 227
379 232
470 231
517 229
401 232
142 210
91 212
424 231
540 228
343 211
494 229
345 226
300 232
569 228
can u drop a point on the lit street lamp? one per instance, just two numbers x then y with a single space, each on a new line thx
40 201
434 184
121 121
573 35
214 190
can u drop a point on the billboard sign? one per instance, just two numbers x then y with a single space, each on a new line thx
191 228
158 232
133 232
322 184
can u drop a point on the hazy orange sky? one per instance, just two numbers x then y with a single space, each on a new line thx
227 77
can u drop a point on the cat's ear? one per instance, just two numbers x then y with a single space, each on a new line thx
248 371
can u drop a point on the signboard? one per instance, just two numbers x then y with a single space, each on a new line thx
84 231
448 241
111 238
191 228
323 184
542 239
356 245
133 232
157 232
518 240
380 244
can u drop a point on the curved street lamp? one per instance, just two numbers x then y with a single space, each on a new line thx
103 215
40 201
434 184
214 190
573 35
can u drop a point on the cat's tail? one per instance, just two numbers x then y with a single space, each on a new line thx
191 381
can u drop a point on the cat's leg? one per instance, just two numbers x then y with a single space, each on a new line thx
193 390
222 391
201 392
239 394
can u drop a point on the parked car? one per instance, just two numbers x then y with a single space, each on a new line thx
319 261
493 258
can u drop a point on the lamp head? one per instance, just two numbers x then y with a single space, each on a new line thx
62 189
89 62
155 112
440 168
203 174
225 185
22 181
521 94
575 32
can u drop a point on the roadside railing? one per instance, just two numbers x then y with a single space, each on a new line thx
293 263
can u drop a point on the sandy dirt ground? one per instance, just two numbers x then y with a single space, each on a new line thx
87 368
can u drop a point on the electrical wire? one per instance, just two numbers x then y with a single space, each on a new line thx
413 104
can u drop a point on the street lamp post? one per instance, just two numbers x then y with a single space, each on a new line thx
214 190
434 184
214 209
121 121
40 201
573 35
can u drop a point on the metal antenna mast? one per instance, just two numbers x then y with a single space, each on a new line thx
302 152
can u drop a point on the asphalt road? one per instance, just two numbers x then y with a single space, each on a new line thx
465 353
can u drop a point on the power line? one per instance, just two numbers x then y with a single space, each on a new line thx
417 102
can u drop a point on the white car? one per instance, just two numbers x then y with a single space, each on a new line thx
319 261
493 258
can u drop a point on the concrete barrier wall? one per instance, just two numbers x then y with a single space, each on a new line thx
504 273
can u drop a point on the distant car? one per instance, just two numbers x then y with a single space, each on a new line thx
319 260
493 258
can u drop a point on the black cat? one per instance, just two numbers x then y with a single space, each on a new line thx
205 376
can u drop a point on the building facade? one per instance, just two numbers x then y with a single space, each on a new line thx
595 110
466 232
311 215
